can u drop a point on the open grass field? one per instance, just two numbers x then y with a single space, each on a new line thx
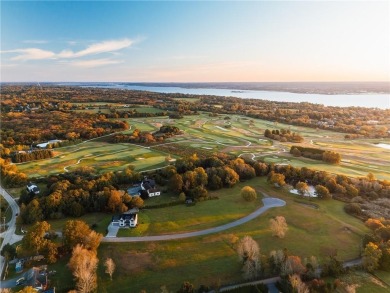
237 135
228 208
207 259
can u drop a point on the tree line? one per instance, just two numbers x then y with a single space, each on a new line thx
137 136
330 157
25 156
283 135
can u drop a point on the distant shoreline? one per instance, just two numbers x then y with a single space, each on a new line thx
323 88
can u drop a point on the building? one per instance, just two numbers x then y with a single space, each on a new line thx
127 219
148 188
32 188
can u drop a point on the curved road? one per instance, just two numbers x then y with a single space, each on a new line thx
269 202
9 235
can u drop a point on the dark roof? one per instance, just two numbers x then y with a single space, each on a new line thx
149 182
147 186
127 217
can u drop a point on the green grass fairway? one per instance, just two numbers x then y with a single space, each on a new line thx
100 155
237 135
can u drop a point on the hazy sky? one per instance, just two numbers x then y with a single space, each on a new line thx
195 41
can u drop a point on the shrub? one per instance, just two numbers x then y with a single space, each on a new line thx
248 193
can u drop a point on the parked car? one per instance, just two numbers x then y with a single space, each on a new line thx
20 281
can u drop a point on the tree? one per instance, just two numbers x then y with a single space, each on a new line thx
248 252
176 183
78 232
248 193
231 177
297 284
277 179
186 287
34 240
331 157
8 251
115 203
27 289
295 152
278 226
322 192
371 256
302 188
137 202
83 265
110 266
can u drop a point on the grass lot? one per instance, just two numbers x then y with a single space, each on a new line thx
366 282
229 207
384 276
204 260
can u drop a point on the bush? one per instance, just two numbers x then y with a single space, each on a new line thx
353 208
248 193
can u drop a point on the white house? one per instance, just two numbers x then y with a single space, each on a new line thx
127 219
32 188
149 186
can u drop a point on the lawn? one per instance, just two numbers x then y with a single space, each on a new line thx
207 259
228 208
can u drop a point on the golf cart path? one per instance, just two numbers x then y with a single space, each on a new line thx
269 202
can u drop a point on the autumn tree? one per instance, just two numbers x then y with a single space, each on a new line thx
278 226
78 232
175 183
231 177
186 287
276 179
302 188
110 266
83 265
322 192
248 193
297 284
371 257
248 252
34 242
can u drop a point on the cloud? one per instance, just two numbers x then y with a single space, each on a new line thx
95 62
98 48
30 54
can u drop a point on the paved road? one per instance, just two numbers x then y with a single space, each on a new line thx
9 236
269 202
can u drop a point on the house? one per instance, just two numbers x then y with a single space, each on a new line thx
32 188
45 144
127 219
148 188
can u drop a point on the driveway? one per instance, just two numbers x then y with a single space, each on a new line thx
269 202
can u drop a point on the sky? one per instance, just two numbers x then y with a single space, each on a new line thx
185 41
